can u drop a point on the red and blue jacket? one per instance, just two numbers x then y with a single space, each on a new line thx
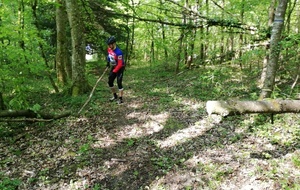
117 55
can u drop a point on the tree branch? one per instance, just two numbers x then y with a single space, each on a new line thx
30 115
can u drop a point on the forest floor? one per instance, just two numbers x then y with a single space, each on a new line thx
160 139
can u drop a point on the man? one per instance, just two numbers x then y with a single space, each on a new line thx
116 62
88 49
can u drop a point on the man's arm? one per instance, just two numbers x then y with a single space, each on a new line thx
120 63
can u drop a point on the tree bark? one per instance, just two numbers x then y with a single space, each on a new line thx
79 82
266 59
226 108
43 52
2 105
31 114
61 53
278 25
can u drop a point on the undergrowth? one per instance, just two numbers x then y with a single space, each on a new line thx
158 91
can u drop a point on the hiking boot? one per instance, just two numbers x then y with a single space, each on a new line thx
119 101
113 99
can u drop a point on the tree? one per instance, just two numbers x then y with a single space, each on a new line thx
271 69
42 49
61 44
79 82
266 59
234 107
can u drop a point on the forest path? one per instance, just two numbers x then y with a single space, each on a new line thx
157 139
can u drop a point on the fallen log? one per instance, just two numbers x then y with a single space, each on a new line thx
31 114
234 107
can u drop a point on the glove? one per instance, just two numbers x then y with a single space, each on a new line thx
107 64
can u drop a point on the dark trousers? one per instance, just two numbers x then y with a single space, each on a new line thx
112 76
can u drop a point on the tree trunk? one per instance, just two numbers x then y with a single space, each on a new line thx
2 105
152 51
163 35
44 56
266 59
241 36
180 40
31 114
222 43
21 30
278 25
166 57
226 108
130 53
79 82
61 52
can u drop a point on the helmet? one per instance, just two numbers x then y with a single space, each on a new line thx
111 40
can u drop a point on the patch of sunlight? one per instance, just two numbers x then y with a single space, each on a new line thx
185 134
158 89
76 184
116 166
175 180
198 170
136 105
192 104
138 115
137 130
152 124
104 142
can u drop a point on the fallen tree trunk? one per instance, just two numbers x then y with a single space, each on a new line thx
233 107
31 114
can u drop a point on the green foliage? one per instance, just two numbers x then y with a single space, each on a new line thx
83 149
130 142
296 160
21 57
9 184
163 163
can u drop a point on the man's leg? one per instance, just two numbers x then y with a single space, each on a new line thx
120 86
111 79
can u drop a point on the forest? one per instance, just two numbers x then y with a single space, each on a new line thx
211 95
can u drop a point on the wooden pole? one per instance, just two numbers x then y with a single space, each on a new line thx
91 94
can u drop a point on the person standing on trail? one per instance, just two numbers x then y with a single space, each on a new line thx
115 60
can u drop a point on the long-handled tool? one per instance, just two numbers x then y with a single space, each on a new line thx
87 101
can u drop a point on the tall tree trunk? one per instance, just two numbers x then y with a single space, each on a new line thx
266 59
290 9
206 44
179 51
21 22
2 105
79 82
193 36
62 50
185 42
35 16
222 37
163 33
130 35
241 38
180 40
166 57
278 26
152 53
